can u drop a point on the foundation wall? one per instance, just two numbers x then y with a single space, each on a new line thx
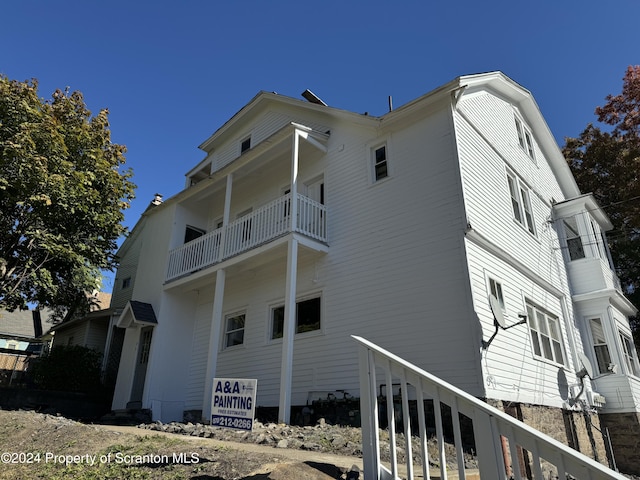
579 430
624 430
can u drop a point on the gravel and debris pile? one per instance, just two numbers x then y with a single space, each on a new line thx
323 437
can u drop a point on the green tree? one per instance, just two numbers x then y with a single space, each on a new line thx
62 197
606 162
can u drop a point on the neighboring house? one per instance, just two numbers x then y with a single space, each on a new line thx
20 333
96 330
305 224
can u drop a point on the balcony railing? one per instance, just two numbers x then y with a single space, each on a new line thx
247 232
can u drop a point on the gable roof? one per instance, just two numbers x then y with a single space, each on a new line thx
139 313
19 323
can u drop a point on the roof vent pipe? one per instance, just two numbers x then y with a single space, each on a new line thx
390 103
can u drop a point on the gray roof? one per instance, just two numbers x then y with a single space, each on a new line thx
143 312
19 323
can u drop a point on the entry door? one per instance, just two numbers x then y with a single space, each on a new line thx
144 346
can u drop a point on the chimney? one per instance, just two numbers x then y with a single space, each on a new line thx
37 323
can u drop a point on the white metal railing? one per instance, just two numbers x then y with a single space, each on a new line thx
249 231
498 436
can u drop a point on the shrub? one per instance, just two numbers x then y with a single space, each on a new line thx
68 368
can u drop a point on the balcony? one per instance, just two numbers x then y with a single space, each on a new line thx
261 226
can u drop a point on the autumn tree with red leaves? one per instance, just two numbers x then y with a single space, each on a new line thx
606 162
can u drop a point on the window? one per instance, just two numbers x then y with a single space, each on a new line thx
628 355
307 317
524 138
126 283
600 346
574 242
234 329
245 145
519 129
521 202
380 169
191 233
495 289
527 137
546 338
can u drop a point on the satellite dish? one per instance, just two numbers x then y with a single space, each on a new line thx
587 368
496 308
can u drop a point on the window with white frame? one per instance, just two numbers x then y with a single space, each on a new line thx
521 202
307 317
524 138
245 144
546 336
379 161
495 289
600 347
234 329
572 236
628 355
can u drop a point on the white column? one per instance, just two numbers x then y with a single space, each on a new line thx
289 327
289 331
214 343
217 312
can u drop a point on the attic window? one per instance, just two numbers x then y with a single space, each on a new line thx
245 145
524 138
380 170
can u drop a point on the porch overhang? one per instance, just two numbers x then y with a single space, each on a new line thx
137 314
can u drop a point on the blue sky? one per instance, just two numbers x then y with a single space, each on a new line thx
172 72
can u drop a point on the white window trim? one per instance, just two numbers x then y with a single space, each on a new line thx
548 315
243 139
525 137
522 199
607 343
372 147
498 282
277 304
627 356
226 317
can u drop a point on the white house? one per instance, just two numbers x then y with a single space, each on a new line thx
305 224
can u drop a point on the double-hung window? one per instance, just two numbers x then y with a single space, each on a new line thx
521 202
628 355
234 329
546 337
495 289
379 159
524 138
600 347
574 241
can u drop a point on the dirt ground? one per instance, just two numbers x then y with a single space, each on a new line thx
35 445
